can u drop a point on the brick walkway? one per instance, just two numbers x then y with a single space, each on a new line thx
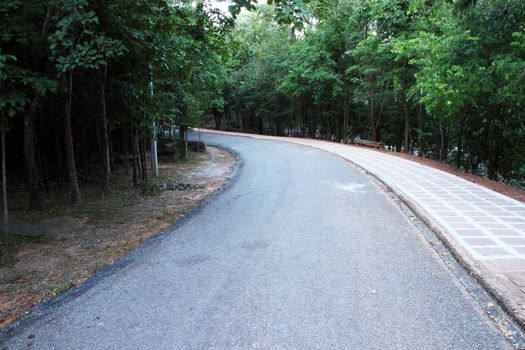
489 226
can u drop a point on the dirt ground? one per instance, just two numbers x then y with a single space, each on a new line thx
101 230
495 186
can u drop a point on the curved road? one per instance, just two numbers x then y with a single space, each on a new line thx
300 252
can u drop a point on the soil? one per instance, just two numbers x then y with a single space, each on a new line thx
99 232
495 186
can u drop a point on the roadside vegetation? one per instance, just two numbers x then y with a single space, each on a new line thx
59 248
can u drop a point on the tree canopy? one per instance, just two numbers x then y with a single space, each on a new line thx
87 84
440 79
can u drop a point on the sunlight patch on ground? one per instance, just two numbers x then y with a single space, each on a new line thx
351 187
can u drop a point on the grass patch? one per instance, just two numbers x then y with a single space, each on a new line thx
99 231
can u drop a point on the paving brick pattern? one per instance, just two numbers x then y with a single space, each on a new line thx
489 225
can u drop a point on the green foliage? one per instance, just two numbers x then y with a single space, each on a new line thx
75 43
445 76
444 79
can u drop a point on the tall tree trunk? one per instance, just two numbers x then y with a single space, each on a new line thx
137 173
70 152
346 119
373 119
459 154
144 160
126 152
4 176
154 158
35 202
183 141
43 165
420 133
441 149
492 145
59 158
106 169
153 153
406 112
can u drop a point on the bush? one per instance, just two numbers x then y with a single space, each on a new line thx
150 187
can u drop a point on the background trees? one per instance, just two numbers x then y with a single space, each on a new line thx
439 79
89 85
86 85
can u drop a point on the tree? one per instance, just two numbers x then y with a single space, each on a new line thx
76 45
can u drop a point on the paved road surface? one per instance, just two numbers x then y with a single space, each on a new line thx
301 252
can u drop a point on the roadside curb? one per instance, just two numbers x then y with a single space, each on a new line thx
516 334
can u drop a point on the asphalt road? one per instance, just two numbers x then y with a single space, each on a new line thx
300 252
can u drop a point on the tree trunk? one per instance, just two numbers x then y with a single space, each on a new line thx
406 111
4 177
144 160
374 119
106 167
493 147
183 141
72 170
126 153
420 133
442 142
154 159
59 158
346 119
136 159
459 154
35 202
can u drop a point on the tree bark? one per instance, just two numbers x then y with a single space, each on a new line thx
420 133
183 141
153 152
459 154
106 170
137 173
154 159
346 118
126 153
442 142
35 202
373 118
144 160
4 176
406 112
72 170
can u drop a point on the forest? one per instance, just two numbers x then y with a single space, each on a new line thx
89 86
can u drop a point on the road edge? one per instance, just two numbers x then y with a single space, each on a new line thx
500 312
47 306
